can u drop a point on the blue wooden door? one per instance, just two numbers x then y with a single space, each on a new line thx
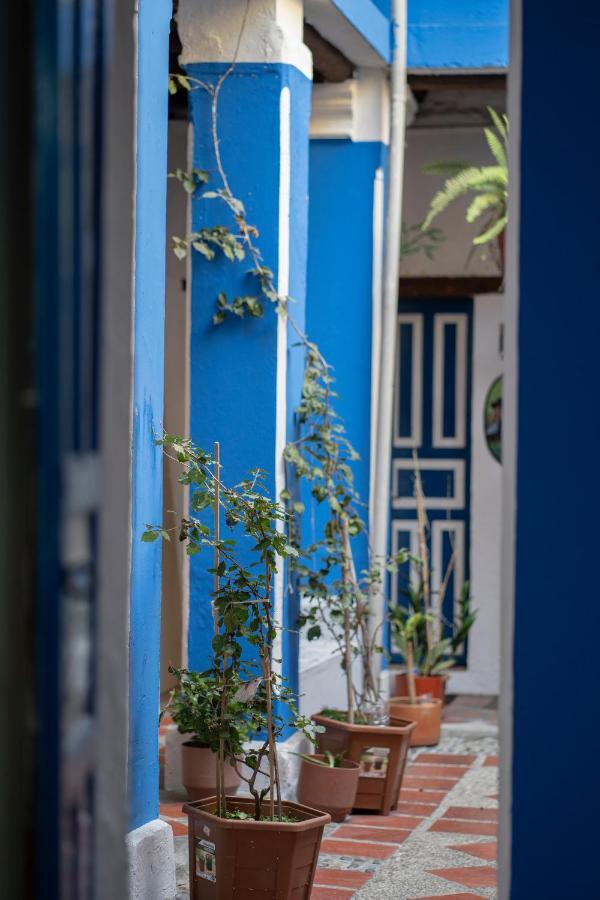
432 419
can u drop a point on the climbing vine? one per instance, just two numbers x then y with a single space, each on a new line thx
336 599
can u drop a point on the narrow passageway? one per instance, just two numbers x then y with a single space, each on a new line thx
441 841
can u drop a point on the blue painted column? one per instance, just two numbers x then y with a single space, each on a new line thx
347 173
245 373
549 824
146 490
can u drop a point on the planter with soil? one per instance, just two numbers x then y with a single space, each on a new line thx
432 685
330 788
233 859
199 772
425 714
380 751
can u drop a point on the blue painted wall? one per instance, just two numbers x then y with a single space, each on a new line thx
150 211
467 34
339 304
233 366
557 614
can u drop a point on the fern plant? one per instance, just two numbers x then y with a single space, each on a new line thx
488 183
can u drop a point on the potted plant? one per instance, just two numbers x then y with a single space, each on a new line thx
193 705
419 634
265 843
424 710
488 183
328 782
337 601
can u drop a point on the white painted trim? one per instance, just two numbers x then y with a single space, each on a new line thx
376 288
455 501
357 109
333 25
416 398
410 525
509 452
460 381
439 527
210 30
333 110
283 288
151 862
372 106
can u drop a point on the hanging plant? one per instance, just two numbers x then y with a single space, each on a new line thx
488 183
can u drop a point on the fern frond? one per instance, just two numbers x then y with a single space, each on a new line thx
497 147
452 190
500 124
492 232
482 203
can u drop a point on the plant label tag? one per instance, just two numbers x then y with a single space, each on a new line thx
246 691
206 860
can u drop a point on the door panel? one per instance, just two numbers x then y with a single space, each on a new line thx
432 420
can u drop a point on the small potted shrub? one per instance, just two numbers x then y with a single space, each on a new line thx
425 711
418 632
328 782
262 843
193 705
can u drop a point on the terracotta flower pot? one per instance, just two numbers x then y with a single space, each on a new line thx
435 685
381 753
232 859
199 772
331 789
427 715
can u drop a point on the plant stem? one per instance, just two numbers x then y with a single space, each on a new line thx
410 671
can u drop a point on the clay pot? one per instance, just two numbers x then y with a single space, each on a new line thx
434 685
427 714
331 789
199 772
233 859
381 752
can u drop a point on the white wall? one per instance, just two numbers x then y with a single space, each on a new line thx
483 673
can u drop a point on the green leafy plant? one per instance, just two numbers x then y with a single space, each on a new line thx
242 694
195 706
488 183
416 238
331 761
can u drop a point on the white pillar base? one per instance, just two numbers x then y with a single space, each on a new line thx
151 862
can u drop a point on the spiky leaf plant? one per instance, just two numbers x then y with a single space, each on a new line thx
488 183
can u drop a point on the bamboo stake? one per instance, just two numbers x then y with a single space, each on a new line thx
421 528
221 800
410 674
347 577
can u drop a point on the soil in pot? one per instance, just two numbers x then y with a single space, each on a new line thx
433 685
427 714
380 751
199 772
241 859
328 788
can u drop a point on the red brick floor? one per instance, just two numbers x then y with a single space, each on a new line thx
372 837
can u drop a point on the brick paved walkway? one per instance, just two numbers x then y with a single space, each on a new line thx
440 841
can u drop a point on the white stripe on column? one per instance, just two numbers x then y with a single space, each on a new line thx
283 287
376 287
